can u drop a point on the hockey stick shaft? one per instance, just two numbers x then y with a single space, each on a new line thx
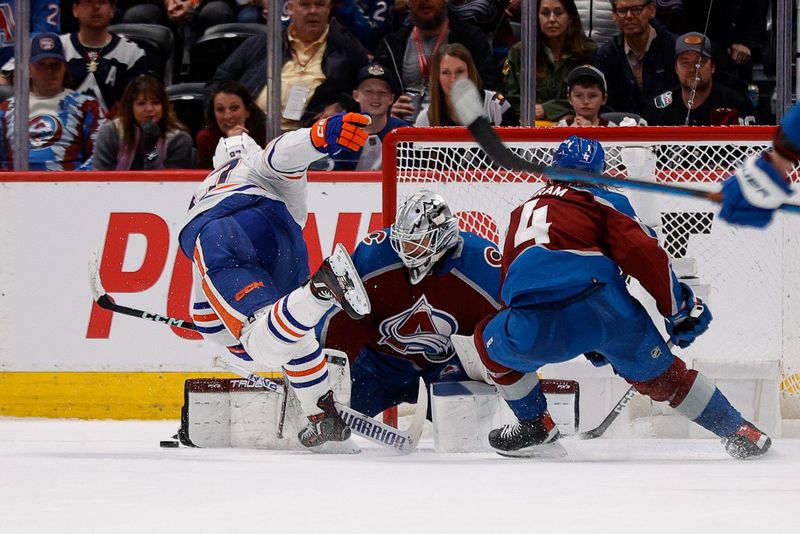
399 441
484 134
107 303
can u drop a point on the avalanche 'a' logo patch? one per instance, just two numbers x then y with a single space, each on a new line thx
421 331
46 130
493 256
378 236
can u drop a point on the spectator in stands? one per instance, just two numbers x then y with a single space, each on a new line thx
145 135
374 95
638 61
62 123
737 29
252 11
188 19
408 52
320 59
587 94
45 17
232 111
561 46
101 63
367 20
712 102
451 63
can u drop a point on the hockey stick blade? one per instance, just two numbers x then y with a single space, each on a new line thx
469 108
610 418
107 303
400 442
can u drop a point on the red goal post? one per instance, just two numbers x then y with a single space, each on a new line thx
751 277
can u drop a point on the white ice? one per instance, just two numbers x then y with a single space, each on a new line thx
111 477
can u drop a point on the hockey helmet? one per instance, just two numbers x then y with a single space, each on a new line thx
581 154
423 231
235 146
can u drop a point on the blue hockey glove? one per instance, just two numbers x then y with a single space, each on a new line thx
751 195
787 139
684 327
340 131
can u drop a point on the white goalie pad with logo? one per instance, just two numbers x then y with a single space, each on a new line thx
232 412
465 412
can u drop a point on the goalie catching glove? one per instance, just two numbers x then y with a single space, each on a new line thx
691 321
340 131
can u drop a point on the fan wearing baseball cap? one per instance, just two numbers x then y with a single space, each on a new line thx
374 93
62 123
712 103
587 94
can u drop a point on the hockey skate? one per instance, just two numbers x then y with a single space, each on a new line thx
337 281
326 428
747 442
531 438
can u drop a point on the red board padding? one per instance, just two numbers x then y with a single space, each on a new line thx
189 175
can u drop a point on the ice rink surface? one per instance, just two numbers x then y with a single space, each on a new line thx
74 476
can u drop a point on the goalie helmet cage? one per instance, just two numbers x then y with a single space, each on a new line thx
753 275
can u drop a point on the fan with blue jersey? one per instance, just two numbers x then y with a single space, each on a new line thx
426 280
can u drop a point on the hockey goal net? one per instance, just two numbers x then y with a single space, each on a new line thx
751 278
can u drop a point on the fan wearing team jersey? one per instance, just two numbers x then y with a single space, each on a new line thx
565 258
101 63
426 280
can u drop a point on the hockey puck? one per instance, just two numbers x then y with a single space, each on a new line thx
169 444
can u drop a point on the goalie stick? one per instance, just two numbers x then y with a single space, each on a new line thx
469 106
401 442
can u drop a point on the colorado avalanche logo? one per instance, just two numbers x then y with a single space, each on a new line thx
493 256
421 331
375 237
46 130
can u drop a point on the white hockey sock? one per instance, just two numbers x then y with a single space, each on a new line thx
305 307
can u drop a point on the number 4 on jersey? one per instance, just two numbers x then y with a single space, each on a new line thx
533 225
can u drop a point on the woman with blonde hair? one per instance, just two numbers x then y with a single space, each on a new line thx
451 63
146 135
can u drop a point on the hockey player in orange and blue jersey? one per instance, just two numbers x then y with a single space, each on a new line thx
426 280
253 293
564 294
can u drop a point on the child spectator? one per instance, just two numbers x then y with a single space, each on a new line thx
586 93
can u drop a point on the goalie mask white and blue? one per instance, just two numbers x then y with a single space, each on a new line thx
423 231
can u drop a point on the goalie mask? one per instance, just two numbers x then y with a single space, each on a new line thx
236 146
423 231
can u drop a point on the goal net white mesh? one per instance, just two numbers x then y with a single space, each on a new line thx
750 277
